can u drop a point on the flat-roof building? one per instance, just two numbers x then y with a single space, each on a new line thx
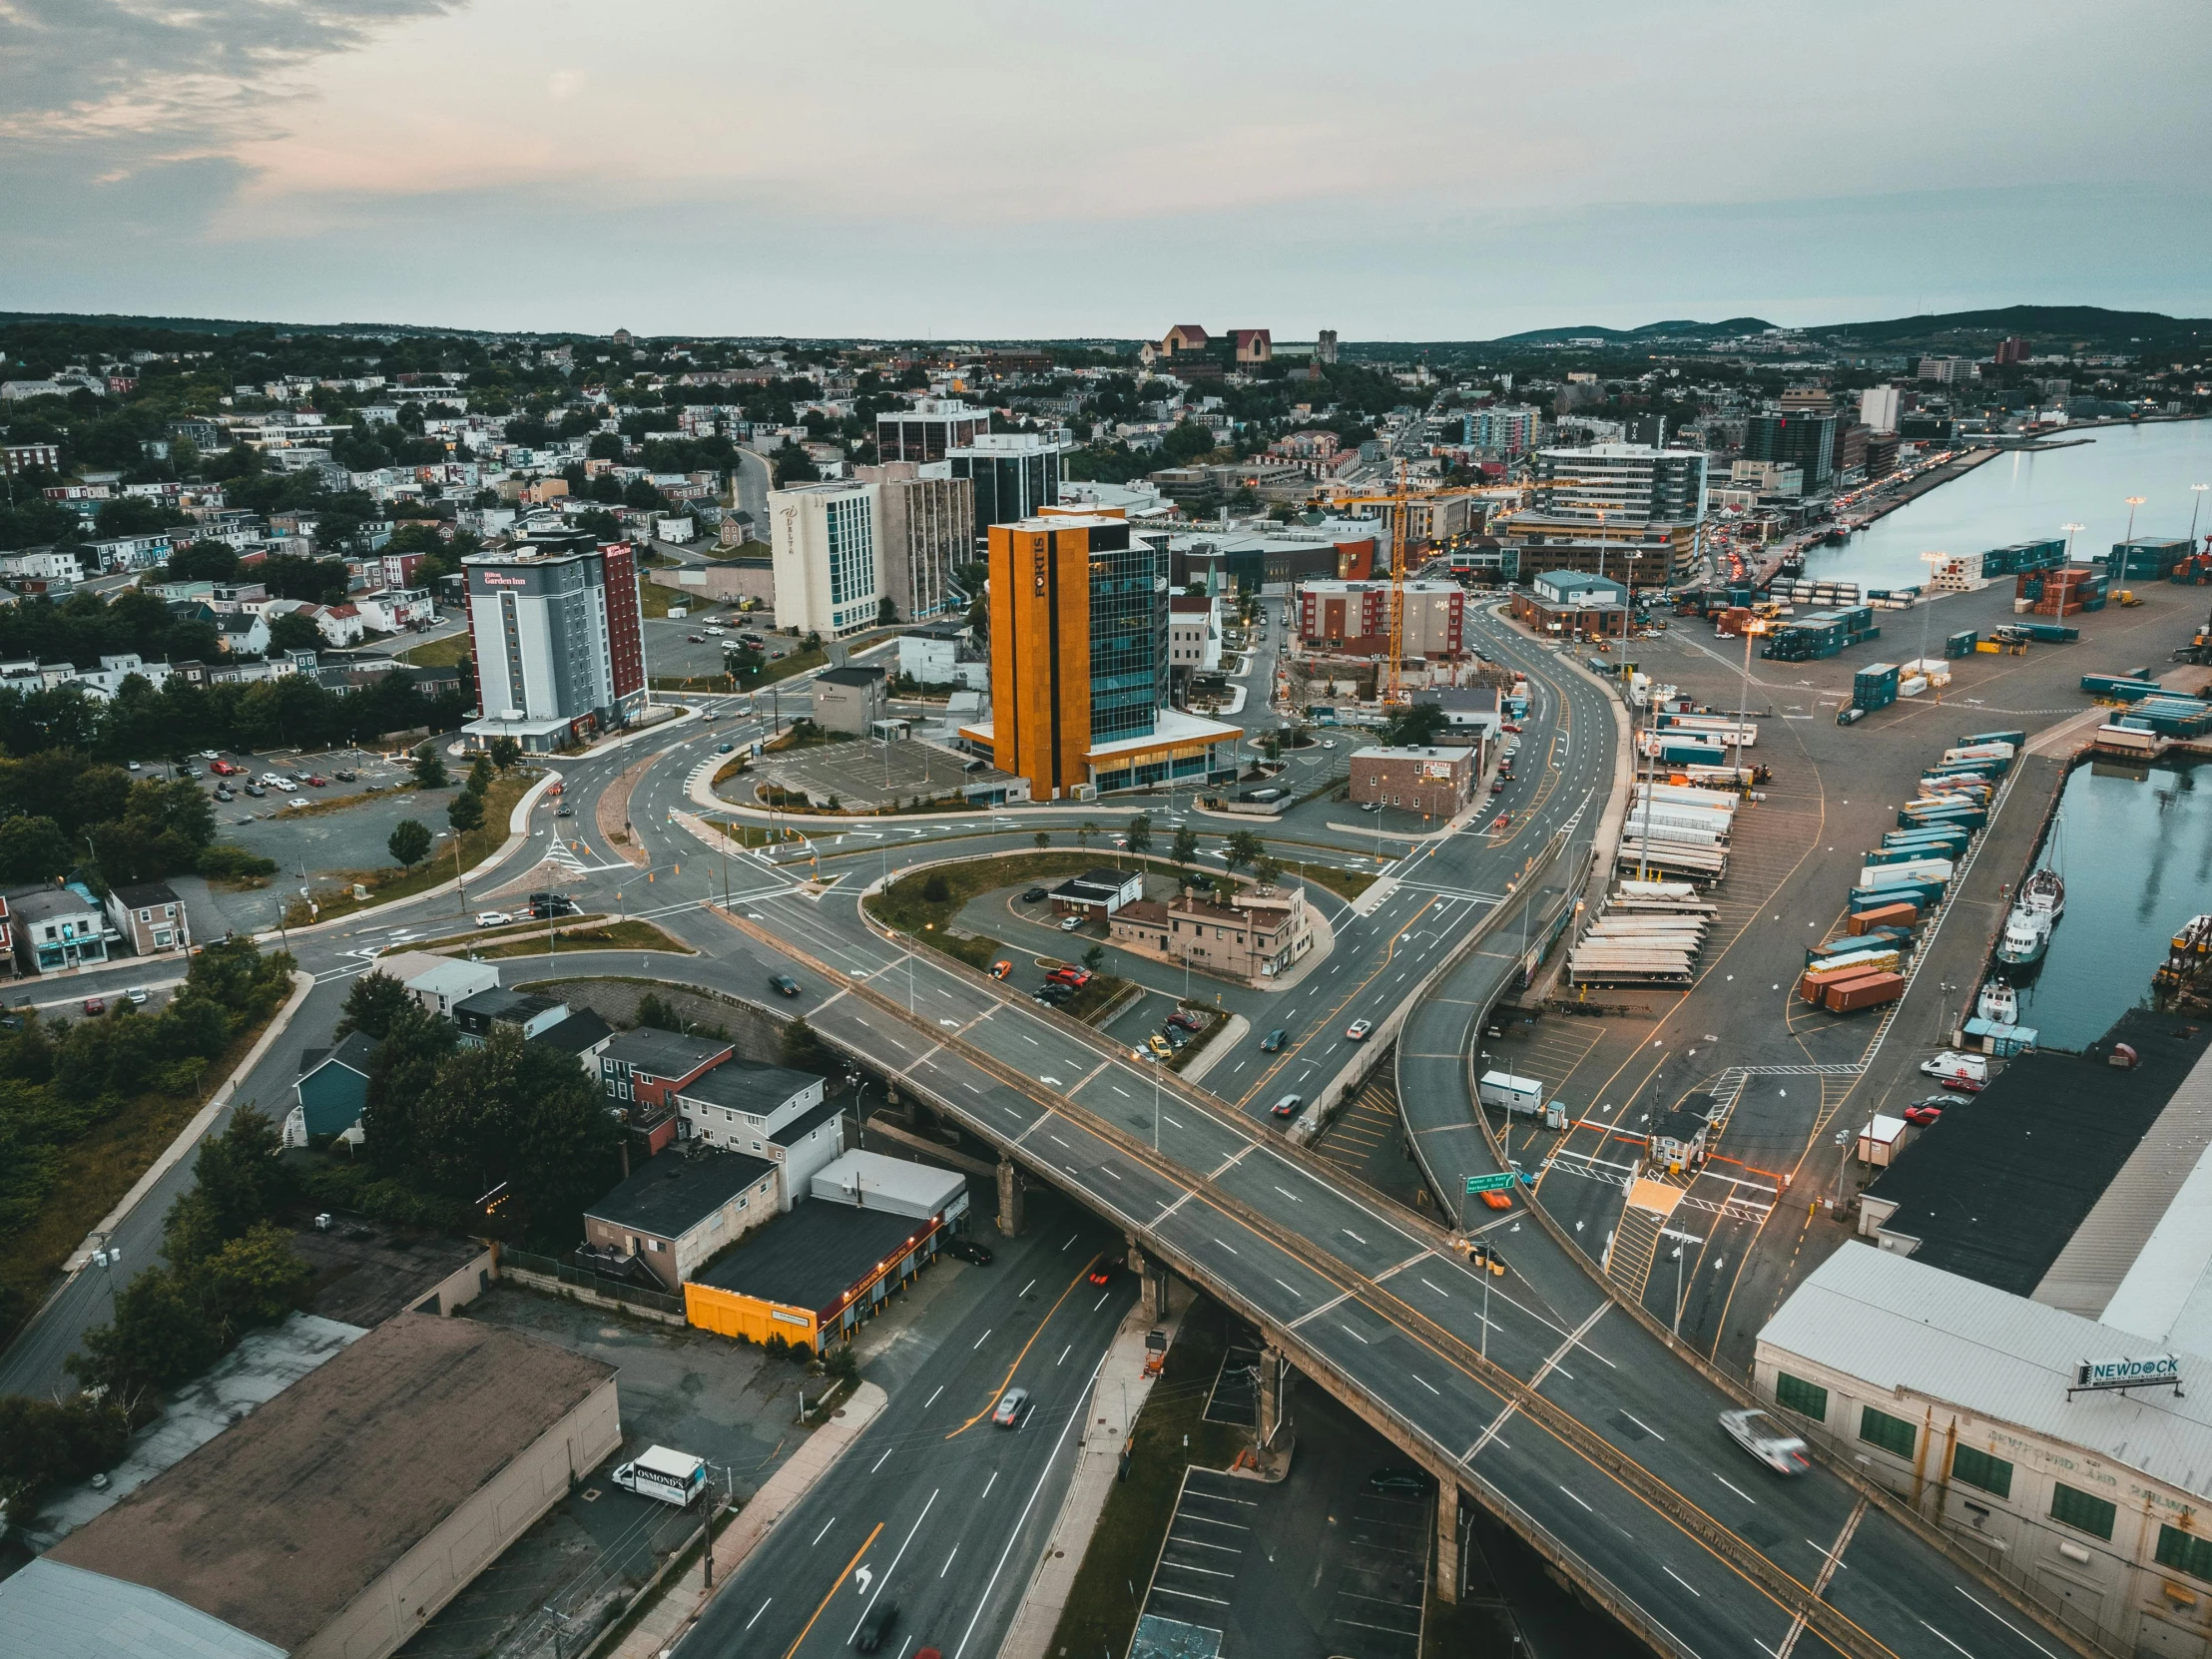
823 539
675 1213
1434 780
337 1519
558 638
814 1276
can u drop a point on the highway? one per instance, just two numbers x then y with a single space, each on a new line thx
1535 1393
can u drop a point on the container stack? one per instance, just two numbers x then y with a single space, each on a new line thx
2026 555
2118 688
1801 590
2150 558
1819 635
1875 686
2059 592
1960 644
1848 981
1678 830
1707 728
1649 934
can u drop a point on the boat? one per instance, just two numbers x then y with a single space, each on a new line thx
2045 890
1999 1003
2027 936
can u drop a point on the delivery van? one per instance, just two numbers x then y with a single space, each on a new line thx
663 1472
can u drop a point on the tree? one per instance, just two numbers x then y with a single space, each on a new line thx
204 561
1084 832
33 850
1095 959
887 614
1268 871
1140 833
479 774
803 1050
409 843
293 631
466 813
372 1005
429 768
238 1183
1184 443
45 1447
1415 726
1244 850
506 754
1041 838
1186 846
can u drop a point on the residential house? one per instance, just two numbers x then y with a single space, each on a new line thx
765 1112
331 1090
151 918
242 634
668 1219
438 985
1254 938
641 1071
58 928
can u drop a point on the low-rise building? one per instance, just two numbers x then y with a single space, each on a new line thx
331 1090
151 918
1354 617
768 1112
813 1278
850 699
1097 894
439 985
642 1068
1469 711
1676 1138
1434 780
1254 938
59 927
526 1012
676 1211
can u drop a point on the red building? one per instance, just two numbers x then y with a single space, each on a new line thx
1353 617
624 628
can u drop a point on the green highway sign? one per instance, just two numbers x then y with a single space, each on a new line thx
1477 1184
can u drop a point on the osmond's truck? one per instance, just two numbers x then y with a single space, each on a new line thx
660 1471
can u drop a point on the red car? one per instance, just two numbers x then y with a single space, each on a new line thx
1079 978
316 781
95 1005
1922 1114
1102 1271
223 768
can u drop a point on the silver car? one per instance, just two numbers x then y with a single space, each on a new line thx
1767 1441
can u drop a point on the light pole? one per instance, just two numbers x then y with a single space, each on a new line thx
1927 600
2070 529
2196 490
1678 1290
2119 553
2133 502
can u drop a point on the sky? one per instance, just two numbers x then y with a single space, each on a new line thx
1011 169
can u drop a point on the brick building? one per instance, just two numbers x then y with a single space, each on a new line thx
1354 617
1438 781
1258 934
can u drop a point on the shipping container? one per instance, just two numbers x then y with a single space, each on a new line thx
1873 991
1881 917
1960 644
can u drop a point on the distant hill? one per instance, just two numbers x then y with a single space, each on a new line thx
210 324
1673 330
2093 325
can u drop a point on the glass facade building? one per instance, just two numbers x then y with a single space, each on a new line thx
1129 636
1014 474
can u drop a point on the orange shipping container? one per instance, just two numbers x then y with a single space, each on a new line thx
1870 992
1886 915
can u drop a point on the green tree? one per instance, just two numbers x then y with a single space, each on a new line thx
803 1049
1185 850
1041 838
466 813
293 632
1140 833
415 1042
479 774
45 1447
1095 959
158 1337
506 754
1244 850
33 850
1084 832
238 1183
1415 726
429 768
409 844
372 1005
1268 871
1184 443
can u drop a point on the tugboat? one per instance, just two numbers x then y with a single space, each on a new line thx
2000 1003
2026 938
2045 890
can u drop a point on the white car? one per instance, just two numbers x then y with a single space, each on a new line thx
1767 1441
1070 924
284 784
492 918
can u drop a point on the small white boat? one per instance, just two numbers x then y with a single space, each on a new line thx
2000 1003
2045 890
2026 938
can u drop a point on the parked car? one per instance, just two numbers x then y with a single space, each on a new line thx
1922 1114
1358 1030
296 776
1001 969
1768 1441
1011 1407
1035 895
1186 1019
1159 1046
1178 1038
493 919
967 1250
346 776
255 790
284 784
224 793
1274 1040
223 768
1075 976
785 984
96 1005
135 997
1051 995
315 781
1069 924
1288 1106
132 766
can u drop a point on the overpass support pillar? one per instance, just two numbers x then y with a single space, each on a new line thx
1009 1198
1447 1541
1276 1380
1152 1282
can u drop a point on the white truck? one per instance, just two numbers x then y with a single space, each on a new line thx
663 1472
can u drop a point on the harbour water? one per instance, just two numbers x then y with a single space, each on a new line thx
2030 495
2135 843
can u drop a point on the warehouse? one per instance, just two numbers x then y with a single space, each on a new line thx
337 1519
814 1274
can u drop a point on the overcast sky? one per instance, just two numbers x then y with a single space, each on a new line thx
1012 168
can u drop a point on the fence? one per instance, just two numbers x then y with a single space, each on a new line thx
584 1278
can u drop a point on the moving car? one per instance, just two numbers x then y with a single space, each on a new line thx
545 904
1102 1271
492 918
1288 1106
223 768
1496 1201
695 639
1393 1478
1011 1405
284 784
785 984
1053 995
564 810
1274 1040
876 1626
135 997
1766 1440
1000 969
1359 1029
725 748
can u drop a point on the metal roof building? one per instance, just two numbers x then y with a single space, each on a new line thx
1971 1403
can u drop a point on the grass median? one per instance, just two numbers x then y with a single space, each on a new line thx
603 935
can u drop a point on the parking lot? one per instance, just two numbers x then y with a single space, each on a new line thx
863 773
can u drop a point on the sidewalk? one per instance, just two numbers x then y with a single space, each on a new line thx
1116 1398
664 1623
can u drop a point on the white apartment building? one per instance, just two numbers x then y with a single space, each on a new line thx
1877 408
1620 484
826 557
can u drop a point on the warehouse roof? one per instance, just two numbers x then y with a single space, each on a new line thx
53 1611
277 1525
672 1194
814 1255
1900 1323
1997 1189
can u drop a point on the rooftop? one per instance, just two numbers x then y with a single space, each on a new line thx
354 1053
1899 1322
1998 1187
2152 1230
138 895
851 674
750 1088
1387 751
53 1611
500 1004
325 1488
814 1255
576 1034
807 1122
673 1194
664 1053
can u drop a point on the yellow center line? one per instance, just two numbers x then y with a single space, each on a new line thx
866 1546
1080 1273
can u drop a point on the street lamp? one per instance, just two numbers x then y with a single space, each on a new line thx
2070 529
2133 502
1678 1290
2119 553
2196 490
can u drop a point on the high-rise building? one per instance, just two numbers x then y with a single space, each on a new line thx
1014 474
925 526
1620 484
1506 429
1080 664
1877 408
2011 350
1805 441
559 646
824 549
930 431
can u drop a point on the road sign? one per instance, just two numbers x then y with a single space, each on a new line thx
1478 1184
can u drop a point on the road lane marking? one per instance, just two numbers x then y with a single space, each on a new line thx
2009 1625
755 1618
932 1400
824 1532
1007 1381
1684 1582
894 1568
1577 1499
1654 1433
1724 1480
866 1544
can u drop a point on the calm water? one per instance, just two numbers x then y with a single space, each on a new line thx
2024 497
2135 847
